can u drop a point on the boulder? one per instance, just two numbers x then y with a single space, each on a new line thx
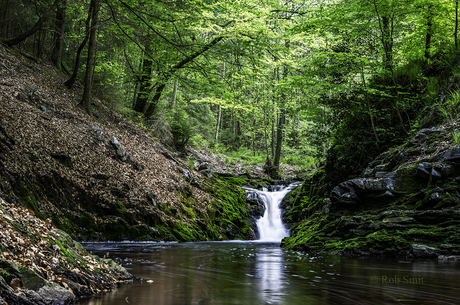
423 251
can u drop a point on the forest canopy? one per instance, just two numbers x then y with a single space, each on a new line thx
293 81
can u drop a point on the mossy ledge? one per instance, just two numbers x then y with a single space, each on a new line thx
405 203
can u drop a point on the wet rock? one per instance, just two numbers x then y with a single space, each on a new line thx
256 205
423 251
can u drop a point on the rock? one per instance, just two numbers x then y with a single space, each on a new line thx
205 169
423 251
153 198
444 169
451 154
31 280
55 294
98 131
121 152
399 220
4 285
185 172
256 205
424 170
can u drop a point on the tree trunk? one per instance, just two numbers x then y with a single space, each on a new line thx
161 84
73 78
59 27
174 95
219 115
15 40
145 80
86 100
279 138
456 25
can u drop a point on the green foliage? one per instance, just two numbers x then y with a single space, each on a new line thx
456 136
181 129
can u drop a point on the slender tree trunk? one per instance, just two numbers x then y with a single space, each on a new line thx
174 95
145 80
429 32
369 107
456 25
86 100
73 78
15 40
219 115
279 138
59 27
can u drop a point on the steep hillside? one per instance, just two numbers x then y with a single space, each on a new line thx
99 176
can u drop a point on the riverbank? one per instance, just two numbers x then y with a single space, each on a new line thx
40 264
406 203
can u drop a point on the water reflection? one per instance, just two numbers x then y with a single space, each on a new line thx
269 271
254 273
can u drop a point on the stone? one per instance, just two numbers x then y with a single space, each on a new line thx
424 170
15 283
399 220
55 294
452 153
423 251
443 169
31 280
98 131
121 152
4 285
153 198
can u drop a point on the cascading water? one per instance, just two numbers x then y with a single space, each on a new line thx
270 225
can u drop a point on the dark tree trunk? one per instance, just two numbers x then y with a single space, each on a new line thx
86 100
59 27
31 31
73 78
144 82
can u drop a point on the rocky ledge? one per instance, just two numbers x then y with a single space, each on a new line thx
40 264
406 203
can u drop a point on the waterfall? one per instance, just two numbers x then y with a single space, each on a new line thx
270 225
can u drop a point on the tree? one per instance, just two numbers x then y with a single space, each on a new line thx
86 100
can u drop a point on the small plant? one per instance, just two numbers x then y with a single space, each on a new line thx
191 163
456 136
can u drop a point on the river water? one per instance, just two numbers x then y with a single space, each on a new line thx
260 272
263 273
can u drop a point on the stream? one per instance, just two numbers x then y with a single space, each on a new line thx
260 272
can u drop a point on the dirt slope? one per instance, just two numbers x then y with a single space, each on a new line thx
60 162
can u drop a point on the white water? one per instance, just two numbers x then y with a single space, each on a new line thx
270 226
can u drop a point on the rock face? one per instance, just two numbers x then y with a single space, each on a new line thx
406 202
